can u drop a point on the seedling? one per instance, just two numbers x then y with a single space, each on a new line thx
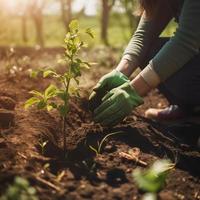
58 97
100 144
42 145
20 189
153 179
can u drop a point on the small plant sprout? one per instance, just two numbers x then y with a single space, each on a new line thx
153 179
100 144
42 145
55 97
20 190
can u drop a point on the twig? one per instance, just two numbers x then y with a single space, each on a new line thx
47 183
133 158
22 155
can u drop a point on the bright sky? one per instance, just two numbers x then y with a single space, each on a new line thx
90 6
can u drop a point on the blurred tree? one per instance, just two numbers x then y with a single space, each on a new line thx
24 18
3 20
106 8
66 11
35 8
130 7
24 27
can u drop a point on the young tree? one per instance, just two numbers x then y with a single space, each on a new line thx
106 8
58 97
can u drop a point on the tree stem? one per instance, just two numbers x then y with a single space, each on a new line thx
65 118
64 134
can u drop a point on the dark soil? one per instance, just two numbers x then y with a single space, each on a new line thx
79 173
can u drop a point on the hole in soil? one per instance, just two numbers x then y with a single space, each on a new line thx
116 177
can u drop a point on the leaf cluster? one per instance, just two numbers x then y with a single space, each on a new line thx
74 65
20 190
153 179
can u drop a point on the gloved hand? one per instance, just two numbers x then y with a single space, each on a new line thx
105 84
117 104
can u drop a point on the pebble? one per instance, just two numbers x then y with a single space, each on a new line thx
87 191
116 193
166 195
71 186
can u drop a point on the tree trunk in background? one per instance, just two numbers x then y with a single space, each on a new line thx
130 6
36 11
38 20
106 7
66 11
24 28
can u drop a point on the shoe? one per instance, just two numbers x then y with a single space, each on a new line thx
171 113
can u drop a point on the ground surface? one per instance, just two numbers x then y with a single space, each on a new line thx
83 175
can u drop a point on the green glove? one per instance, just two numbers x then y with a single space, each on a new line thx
117 104
105 84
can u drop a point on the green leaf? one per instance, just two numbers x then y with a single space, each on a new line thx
93 149
75 69
90 32
42 104
85 65
49 107
49 72
73 91
51 91
73 26
153 179
33 73
31 102
36 93
21 182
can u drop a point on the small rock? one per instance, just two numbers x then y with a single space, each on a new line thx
103 187
87 191
109 148
116 193
71 186
166 195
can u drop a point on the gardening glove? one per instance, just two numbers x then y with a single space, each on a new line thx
105 84
117 104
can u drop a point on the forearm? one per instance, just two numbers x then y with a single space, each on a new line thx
141 87
145 81
126 67
139 84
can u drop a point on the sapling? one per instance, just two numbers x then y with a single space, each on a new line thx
57 97
42 145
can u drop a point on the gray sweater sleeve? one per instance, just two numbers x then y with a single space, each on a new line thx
147 32
183 45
